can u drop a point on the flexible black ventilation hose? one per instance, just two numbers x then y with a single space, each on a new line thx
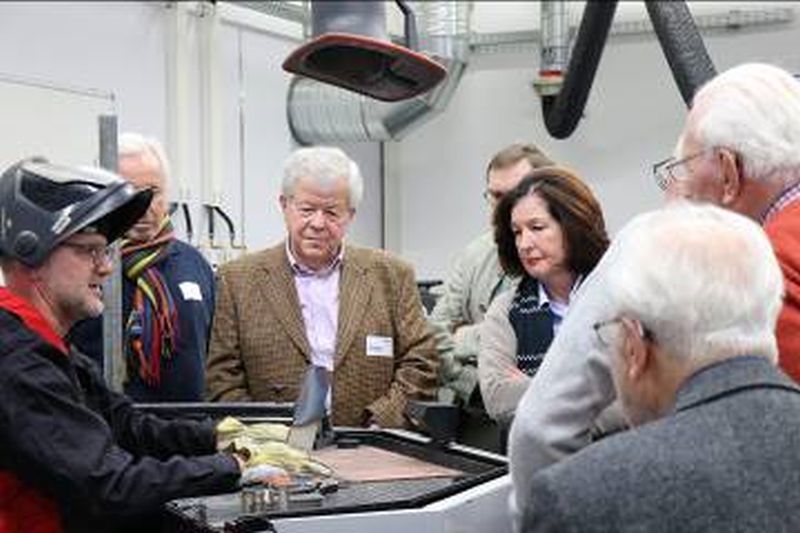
563 111
677 33
683 46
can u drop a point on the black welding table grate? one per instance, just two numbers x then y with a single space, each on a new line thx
218 510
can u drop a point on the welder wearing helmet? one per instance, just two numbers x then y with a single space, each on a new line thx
74 455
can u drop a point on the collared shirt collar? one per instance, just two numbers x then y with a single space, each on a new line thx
300 269
544 298
787 196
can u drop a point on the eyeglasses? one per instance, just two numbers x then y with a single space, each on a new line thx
101 255
492 197
602 332
600 329
670 170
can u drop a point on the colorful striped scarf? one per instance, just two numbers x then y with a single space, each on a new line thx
151 329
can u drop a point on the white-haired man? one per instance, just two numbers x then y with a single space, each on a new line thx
168 292
690 331
313 300
738 149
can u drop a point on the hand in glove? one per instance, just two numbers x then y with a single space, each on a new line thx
292 460
278 455
230 429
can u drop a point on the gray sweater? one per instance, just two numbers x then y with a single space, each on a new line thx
502 383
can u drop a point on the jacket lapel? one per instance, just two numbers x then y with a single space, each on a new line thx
279 290
354 293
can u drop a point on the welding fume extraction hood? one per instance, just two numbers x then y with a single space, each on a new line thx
351 49
330 111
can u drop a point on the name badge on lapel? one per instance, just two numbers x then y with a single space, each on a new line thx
191 291
378 346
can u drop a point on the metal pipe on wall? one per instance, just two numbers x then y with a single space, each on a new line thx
177 96
114 367
210 107
554 52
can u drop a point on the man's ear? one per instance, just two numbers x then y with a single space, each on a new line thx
636 351
283 201
731 175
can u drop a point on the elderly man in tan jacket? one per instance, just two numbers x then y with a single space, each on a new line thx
313 300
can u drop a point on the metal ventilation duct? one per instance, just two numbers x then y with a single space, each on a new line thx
322 113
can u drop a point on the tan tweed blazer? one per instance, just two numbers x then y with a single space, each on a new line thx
259 351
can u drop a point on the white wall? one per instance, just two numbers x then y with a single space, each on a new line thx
121 47
633 117
434 178
110 46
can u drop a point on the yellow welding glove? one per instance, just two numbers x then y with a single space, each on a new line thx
281 455
231 428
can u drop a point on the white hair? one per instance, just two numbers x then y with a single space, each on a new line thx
323 165
703 280
135 144
754 110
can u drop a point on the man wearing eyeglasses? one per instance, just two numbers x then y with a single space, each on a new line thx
695 292
167 297
739 150
474 281
315 301
77 456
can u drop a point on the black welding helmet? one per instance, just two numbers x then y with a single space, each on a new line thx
42 204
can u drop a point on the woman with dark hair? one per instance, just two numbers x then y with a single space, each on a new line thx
550 232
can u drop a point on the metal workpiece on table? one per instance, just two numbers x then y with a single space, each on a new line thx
255 499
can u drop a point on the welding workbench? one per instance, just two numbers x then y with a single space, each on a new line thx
389 481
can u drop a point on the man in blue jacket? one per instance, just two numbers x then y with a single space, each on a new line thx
168 293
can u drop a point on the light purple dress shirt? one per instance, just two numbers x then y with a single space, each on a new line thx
318 292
